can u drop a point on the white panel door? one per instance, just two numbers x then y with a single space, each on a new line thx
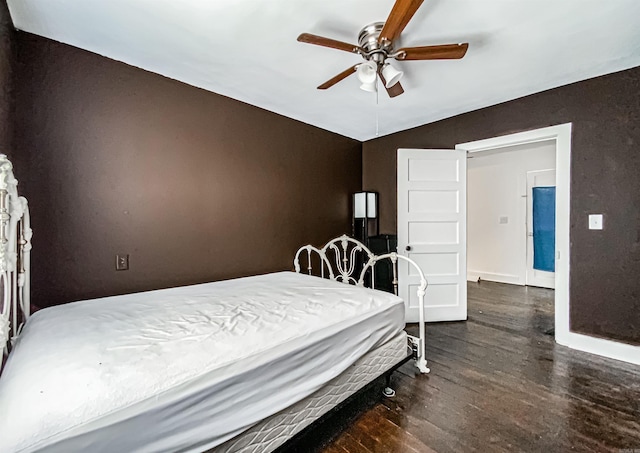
537 277
432 230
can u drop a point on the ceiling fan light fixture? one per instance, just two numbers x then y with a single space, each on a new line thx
367 73
369 86
391 75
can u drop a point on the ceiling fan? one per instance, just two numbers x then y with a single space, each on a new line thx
375 45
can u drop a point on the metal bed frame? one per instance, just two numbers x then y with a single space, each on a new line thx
15 251
353 259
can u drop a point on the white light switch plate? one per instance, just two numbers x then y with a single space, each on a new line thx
595 221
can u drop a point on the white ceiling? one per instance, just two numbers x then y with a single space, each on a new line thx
247 50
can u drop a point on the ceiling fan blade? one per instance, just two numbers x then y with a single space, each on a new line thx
399 17
395 90
443 52
327 42
343 75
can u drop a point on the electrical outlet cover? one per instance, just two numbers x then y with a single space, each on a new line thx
595 221
122 262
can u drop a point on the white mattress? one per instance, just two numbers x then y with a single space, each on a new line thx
183 369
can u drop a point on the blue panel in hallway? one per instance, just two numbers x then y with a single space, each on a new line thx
544 228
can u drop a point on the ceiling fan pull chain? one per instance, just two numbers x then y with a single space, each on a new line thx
377 110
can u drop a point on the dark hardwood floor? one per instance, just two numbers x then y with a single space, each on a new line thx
498 383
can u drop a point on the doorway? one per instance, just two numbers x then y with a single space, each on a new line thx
500 224
561 136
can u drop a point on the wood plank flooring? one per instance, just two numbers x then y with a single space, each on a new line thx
498 383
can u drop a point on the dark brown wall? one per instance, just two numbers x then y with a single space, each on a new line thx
605 178
194 186
7 59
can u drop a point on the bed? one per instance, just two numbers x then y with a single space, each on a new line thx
236 365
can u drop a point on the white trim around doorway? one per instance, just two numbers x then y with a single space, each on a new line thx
561 134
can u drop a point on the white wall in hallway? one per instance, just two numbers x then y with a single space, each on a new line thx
496 210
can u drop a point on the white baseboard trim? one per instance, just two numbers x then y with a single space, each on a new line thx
599 346
473 276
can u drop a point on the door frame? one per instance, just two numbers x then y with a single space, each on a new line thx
561 134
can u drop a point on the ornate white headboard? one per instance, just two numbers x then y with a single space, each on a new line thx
350 261
15 249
